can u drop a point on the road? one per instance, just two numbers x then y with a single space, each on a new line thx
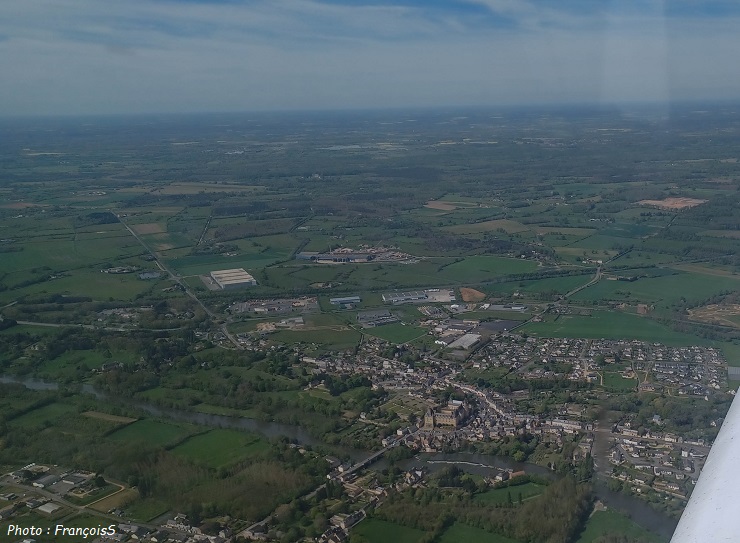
593 281
162 266
79 508
94 326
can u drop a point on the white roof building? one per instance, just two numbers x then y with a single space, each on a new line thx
235 278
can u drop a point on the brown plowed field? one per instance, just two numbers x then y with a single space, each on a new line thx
471 295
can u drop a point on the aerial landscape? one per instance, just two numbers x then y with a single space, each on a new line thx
276 276
568 314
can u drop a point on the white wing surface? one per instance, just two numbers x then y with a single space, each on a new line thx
713 512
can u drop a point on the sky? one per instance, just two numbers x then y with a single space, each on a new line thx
139 56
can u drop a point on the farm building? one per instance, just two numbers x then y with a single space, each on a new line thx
403 297
49 508
236 278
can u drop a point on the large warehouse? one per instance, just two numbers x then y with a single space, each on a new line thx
236 278
396 298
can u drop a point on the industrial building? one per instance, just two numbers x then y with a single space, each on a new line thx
465 342
396 298
236 278
344 301
335 257
370 319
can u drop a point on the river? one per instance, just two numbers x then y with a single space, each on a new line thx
475 463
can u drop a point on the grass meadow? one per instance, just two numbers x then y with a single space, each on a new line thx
381 531
220 448
610 325
603 523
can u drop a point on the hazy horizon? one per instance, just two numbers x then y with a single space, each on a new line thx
62 57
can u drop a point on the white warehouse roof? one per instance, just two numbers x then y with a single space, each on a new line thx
233 278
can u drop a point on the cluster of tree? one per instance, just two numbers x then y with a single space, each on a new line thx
7 323
338 384
95 218
214 249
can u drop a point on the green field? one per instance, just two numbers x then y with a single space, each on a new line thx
501 495
559 285
731 352
151 432
396 333
462 533
217 448
617 382
145 510
380 531
482 268
603 523
85 282
664 290
70 363
609 325
46 414
331 339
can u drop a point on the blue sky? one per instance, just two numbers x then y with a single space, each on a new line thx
93 56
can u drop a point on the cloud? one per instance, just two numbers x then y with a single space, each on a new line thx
77 56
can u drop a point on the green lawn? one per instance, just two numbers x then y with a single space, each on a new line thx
603 523
462 533
380 531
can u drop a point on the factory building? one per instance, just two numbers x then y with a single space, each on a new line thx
465 342
373 318
236 278
396 298
335 257
345 300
